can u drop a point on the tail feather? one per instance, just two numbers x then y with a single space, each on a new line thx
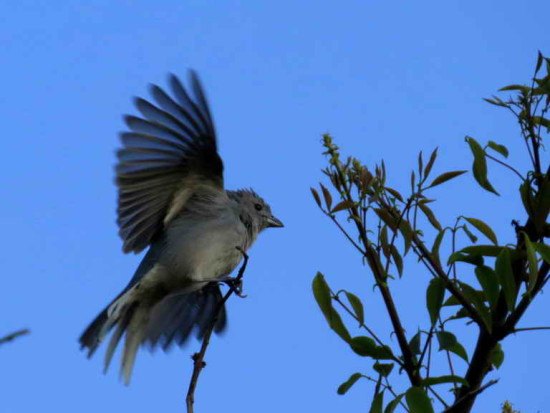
92 336
169 319
115 338
134 337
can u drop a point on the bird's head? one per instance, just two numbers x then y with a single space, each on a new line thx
257 209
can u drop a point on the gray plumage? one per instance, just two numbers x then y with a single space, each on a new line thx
171 198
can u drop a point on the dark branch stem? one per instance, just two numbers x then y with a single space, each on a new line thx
380 277
198 358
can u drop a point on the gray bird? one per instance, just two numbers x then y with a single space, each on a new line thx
171 198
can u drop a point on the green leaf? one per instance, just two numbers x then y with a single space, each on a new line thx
316 196
386 217
384 236
395 193
430 381
448 341
539 120
321 291
377 403
480 165
482 250
483 228
461 313
532 261
366 347
505 274
526 197
430 164
418 401
540 59
434 298
345 386
420 165
384 369
437 245
407 232
342 206
431 217
496 101
460 256
497 356
357 307
397 260
543 250
327 196
472 237
414 344
477 299
489 283
452 300
445 177
498 148
521 88
390 408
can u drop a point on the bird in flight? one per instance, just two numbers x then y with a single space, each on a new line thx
171 200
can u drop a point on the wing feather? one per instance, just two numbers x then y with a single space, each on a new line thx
169 151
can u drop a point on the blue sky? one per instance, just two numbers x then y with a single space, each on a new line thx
386 79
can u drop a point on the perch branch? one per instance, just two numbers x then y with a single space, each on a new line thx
198 358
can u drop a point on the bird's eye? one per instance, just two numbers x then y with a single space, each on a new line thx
258 207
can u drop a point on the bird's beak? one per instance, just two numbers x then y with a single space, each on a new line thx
273 222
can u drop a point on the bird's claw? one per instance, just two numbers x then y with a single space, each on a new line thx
235 285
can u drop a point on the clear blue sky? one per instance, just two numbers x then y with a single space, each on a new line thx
387 79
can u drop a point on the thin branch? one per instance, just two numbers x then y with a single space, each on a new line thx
198 358
441 400
505 165
470 395
426 345
14 335
449 285
517 330
386 386
336 298
342 229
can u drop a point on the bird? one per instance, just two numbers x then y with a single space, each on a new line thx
172 201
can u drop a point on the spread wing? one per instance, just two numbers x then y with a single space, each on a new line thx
169 154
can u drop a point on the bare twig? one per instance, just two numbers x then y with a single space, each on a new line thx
198 358
505 165
470 396
14 335
518 330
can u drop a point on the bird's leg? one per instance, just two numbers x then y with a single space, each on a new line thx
236 284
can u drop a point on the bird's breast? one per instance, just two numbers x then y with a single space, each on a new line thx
205 250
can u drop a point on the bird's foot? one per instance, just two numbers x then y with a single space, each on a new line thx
235 285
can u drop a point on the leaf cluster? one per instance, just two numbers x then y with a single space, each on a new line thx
385 226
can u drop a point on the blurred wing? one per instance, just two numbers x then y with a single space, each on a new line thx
169 154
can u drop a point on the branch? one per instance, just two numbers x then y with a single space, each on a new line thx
14 335
449 285
198 358
469 396
380 278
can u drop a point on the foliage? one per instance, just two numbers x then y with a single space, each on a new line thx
384 226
